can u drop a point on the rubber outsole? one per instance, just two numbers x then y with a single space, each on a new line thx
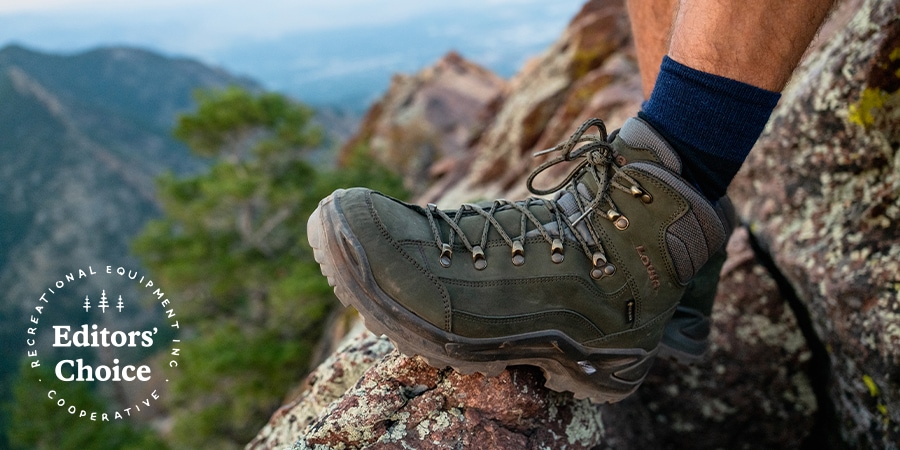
601 375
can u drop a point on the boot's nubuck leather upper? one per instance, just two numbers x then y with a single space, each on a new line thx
580 284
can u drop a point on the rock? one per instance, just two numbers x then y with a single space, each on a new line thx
424 123
402 402
401 399
822 190
327 383
589 72
753 389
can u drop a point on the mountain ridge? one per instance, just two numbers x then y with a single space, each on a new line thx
82 139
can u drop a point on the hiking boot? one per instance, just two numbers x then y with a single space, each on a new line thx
580 285
686 336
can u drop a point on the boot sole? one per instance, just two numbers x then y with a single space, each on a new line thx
601 375
681 356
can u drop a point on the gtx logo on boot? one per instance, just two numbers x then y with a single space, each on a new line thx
651 271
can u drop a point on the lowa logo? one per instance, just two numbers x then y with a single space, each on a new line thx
91 350
651 271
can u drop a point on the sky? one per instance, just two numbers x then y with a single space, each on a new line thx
207 26
192 26
289 44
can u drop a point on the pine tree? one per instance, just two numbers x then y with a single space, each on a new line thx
232 249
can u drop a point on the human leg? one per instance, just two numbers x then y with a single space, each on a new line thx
727 40
758 43
686 336
651 26
717 87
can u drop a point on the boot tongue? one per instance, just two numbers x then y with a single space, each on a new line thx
568 205
635 141
638 141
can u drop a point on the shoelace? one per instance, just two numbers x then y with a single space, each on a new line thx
596 159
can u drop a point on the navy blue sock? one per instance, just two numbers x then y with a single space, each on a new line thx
713 122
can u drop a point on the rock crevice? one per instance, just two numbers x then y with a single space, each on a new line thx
824 431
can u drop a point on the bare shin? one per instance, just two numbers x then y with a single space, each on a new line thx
758 42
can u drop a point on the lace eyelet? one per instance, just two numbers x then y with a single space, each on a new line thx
645 197
478 258
602 268
557 252
446 255
599 259
621 222
518 253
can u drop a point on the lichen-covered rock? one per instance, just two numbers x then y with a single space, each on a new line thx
327 383
402 402
822 189
753 390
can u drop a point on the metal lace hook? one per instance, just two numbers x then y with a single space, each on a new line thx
584 215
544 152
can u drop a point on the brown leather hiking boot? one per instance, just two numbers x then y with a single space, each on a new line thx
581 286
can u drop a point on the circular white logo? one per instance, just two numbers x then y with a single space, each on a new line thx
101 343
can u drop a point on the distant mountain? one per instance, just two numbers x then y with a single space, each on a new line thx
82 138
353 66
322 53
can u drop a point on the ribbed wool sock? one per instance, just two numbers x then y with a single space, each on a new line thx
711 121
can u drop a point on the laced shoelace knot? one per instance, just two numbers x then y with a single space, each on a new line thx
596 159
